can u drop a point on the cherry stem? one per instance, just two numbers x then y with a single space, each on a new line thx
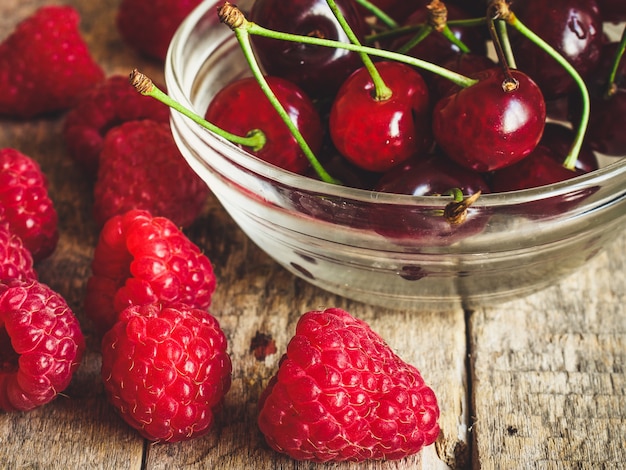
252 28
503 34
611 87
421 34
378 13
246 47
402 30
438 22
572 156
509 83
381 91
455 212
255 139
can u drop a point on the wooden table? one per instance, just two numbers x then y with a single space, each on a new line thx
536 383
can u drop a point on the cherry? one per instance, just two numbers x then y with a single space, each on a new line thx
419 226
558 138
431 175
377 134
319 71
230 110
435 47
612 10
468 64
396 9
484 127
572 27
605 133
540 168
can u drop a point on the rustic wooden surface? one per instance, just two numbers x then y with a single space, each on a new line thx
536 383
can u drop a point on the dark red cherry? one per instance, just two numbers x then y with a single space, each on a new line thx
435 47
612 10
559 139
430 176
241 107
319 71
396 9
540 168
468 64
606 132
485 128
572 27
424 226
379 134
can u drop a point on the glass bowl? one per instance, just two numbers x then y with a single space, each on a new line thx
385 249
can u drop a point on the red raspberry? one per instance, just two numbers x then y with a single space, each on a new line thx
45 64
342 394
107 105
27 207
149 25
16 262
140 259
166 370
41 344
141 168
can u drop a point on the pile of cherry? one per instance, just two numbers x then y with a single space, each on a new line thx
430 135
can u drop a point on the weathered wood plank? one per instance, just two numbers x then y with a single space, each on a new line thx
549 383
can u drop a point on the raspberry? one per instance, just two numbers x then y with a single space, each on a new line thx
140 259
166 370
41 344
27 207
342 394
149 25
16 262
141 168
107 105
45 64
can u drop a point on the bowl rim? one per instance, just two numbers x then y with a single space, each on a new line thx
615 169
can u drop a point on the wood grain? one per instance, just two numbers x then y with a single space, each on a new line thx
548 373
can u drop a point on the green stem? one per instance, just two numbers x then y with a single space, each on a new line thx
255 139
610 87
570 160
449 35
382 91
503 34
378 13
421 34
402 30
246 47
456 78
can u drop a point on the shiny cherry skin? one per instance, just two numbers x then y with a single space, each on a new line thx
423 226
378 134
319 71
485 128
241 107
572 27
